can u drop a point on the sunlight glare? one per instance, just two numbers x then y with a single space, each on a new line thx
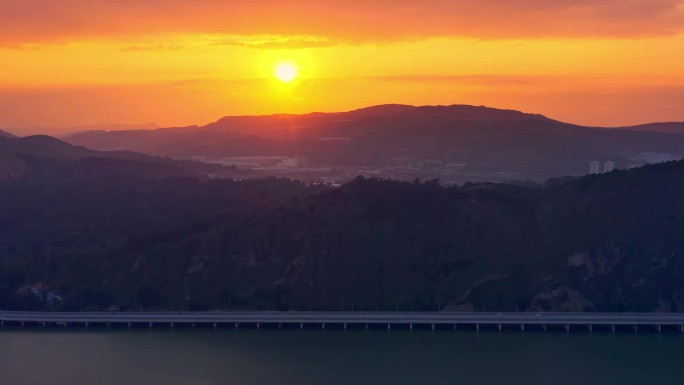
286 72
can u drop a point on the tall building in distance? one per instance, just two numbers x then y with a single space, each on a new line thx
594 167
608 166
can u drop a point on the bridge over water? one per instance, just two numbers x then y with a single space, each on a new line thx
654 322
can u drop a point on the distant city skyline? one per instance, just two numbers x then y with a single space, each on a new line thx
596 167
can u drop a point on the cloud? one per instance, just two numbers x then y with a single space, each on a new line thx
30 21
280 42
153 48
482 80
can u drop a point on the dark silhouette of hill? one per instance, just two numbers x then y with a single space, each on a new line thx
5 134
45 145
64 131
574 244
671 127
20 156
11 165
487 140
319 123
100 167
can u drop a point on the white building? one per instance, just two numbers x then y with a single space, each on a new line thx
608 166
594 167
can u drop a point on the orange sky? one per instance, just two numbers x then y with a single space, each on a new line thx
177 62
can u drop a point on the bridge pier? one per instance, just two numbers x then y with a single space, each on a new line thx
150 325
345 326
389 326
410 326
258 325
681 329
171 325
86 324
433 326
522 327
636 328
658 328
590 328
455 326
322 326
500 327
236 325
301 325
567 327
612 328
544 327
280 325
215 325
477 327
129 325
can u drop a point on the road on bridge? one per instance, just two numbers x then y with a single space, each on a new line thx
393 318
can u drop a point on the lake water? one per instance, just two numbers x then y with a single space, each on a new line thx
254 357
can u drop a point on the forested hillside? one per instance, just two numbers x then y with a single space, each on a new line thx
581 244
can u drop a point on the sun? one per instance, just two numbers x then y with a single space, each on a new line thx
286 72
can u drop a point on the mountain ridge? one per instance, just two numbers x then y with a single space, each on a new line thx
5 134
486 141
25 155
671 127
66 131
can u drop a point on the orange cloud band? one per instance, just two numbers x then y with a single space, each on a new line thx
31 21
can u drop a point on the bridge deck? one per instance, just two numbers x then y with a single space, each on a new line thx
344 318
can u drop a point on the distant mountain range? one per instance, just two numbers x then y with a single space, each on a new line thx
485 140
62 131
671 127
